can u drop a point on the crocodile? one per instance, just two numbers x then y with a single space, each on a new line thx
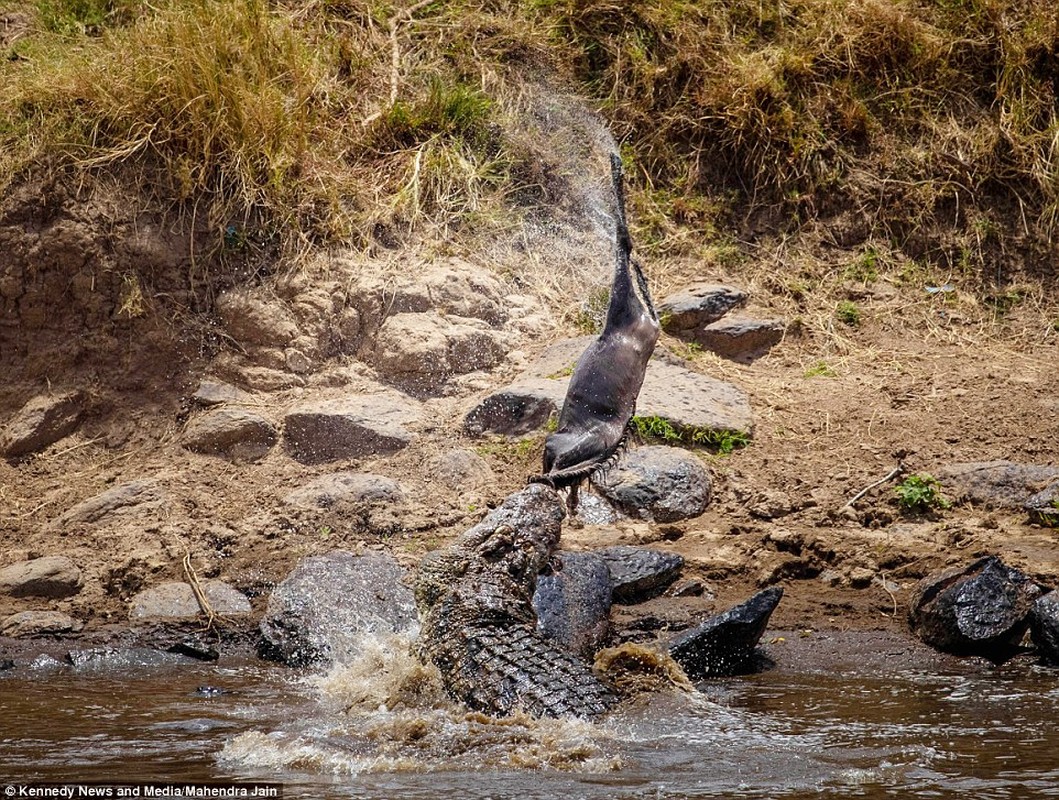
478 626
601 397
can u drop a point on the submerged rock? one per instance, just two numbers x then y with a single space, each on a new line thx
982 608
724 644
639 573
657 483
1044 627
319 613
573 603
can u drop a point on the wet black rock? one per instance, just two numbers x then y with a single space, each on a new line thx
573 604
982 608
640 573
1044 627
322 610
195 648
725 644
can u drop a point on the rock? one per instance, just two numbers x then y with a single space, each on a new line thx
131 495
456 288
254 319
724 644
659 484
521 408
996 484
176 599
51 576
321 611
351 427
982 608
1044 627
639 573
740 338
573 604
419 352
1043 507
461 469
693 401
346 488
39 623
42 421
687 400
215 393
698 305
234 433
196 648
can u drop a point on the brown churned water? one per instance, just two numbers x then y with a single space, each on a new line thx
380 728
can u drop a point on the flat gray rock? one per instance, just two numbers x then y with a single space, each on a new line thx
42 421
687 400
350 427
344 488
461 469
39 623
253 317
573 603
230 432
125 496
215 393
1044 506
996 484
1044 627
51 576
698 305
658 484
176 600
321 611
639 573
740 338
724 644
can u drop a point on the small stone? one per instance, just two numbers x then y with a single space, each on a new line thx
861 577
521 408
692 587
639 573
659 484
215 393
298 361
42 421
176 599
343 488
741 338
698 305
195 648
231 432
461 469
351 427
51 576
39 623
131 495
253 318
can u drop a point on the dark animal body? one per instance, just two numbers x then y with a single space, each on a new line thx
478 625
601 397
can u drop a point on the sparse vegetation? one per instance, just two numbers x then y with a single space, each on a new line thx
821 369
848 313
918 494
661 429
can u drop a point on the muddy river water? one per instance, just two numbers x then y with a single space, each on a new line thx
864 721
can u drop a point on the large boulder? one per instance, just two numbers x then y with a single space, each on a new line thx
659 484
321 611
176 600
51 576
982 608
698 305
639 573
350 427
1044 627
573 603
724 644
42 421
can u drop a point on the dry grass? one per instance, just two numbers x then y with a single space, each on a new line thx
933 126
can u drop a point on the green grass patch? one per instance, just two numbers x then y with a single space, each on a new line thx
848 313
821 369
661 429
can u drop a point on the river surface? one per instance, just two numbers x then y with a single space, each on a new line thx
381 729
